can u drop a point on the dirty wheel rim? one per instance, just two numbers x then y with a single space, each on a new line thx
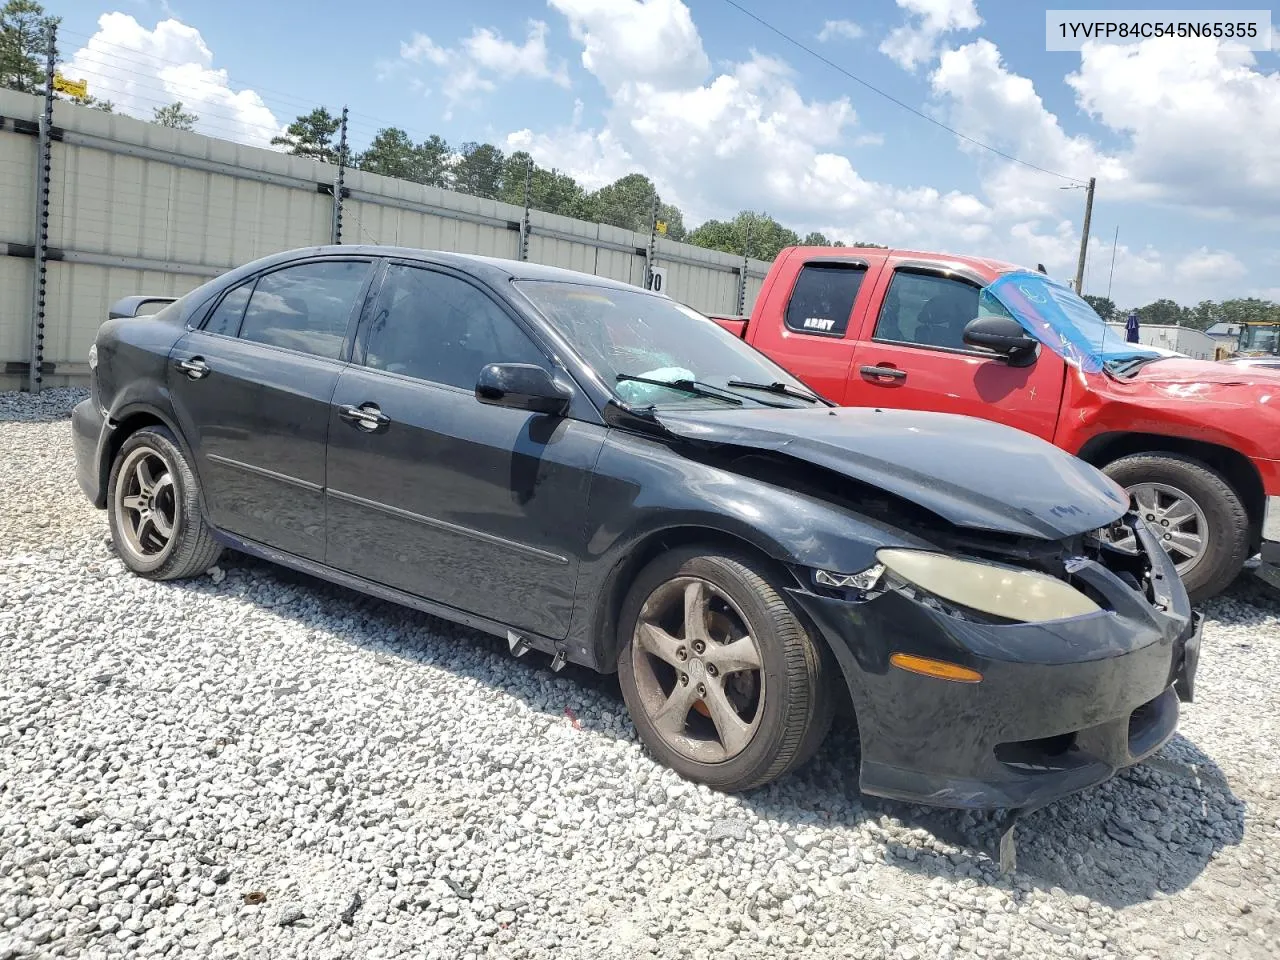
1176 520
698 670
147 510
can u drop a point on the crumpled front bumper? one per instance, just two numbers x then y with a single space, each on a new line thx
1061 707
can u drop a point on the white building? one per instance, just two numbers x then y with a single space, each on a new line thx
1168 336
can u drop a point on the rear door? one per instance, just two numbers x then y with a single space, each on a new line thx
430 491
251 389
915 357
816 335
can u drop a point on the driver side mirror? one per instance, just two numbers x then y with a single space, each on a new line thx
522 386
1004 336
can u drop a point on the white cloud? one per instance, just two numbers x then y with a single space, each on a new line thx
840 30
649 42
470 68
507 59
1216 265
916 41
1201 120
140 69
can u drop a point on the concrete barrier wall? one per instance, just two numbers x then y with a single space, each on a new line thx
137 208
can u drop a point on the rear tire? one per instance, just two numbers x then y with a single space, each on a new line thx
778 688
153 509
1226 522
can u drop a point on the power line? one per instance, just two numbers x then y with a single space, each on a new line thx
892 99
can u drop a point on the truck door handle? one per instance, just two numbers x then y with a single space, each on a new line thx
882 373
195 368
366 417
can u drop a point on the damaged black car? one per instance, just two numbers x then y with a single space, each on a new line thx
598 473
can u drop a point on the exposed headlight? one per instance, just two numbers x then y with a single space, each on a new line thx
865 580
1024 596
93 357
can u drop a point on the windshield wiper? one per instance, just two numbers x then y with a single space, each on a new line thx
777 387
1130 365
692 387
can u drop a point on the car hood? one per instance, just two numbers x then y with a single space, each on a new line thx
1187 372
973 473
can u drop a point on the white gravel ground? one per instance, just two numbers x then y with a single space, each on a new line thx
390 785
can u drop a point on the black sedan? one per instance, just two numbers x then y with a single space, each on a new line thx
601 474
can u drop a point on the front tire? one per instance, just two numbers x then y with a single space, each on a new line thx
724 683
1195 513
153 509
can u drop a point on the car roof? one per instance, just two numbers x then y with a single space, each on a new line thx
492 269
988 267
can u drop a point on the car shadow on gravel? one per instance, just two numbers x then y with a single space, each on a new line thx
1151 829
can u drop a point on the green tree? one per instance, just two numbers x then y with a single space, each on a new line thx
391 154
1204 315
1162 311
479 170
88 100
816 239
1104 307
549 190
311 135
24 45
1250 310
766 236
626 203
175 117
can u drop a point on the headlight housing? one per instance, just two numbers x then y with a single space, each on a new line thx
1022 596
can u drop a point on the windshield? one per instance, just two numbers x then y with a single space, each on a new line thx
1052 313
625 333
1262 338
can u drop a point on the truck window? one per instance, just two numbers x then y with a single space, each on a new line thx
823 298
927 310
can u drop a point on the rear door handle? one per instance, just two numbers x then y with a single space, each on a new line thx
195 368
366 417
883 373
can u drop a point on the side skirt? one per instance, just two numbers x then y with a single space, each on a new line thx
522 639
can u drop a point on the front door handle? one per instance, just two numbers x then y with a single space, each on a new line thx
366 417
883 373
195 368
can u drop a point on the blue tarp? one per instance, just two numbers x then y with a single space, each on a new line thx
1052 313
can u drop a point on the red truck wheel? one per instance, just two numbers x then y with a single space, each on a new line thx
1198 516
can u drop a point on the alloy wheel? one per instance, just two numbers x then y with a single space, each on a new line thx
1176 520
147 509
698 670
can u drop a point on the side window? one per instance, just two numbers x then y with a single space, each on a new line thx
306 307
225 318
823 298
927 310
435 327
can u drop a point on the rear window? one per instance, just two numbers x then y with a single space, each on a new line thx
822 300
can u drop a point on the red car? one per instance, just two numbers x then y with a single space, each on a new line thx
1194 442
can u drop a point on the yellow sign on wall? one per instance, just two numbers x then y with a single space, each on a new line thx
662 226
75 88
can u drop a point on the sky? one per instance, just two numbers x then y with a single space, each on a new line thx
724 114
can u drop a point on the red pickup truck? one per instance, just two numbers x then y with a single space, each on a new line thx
1194 442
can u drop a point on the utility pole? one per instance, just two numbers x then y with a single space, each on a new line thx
1084 237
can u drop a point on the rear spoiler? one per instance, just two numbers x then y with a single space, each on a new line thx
138 306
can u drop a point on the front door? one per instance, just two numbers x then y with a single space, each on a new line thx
430 491
916 359
251 389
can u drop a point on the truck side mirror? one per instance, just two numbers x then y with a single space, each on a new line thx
1004 336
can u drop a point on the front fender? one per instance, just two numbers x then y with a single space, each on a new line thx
645 494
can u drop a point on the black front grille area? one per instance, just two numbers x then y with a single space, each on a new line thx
1041 755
